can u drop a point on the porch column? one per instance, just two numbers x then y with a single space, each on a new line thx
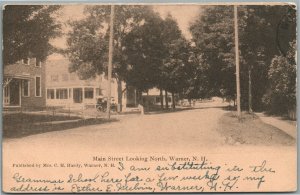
83 96
20 92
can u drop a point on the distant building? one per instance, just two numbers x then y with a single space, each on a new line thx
24 84
67 90
153 97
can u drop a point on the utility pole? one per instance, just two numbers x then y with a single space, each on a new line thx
110 58
237 63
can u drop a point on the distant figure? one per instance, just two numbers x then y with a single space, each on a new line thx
141 107
194 103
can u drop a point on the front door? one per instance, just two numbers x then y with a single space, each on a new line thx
77 95
14 93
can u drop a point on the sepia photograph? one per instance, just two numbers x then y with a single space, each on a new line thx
140 98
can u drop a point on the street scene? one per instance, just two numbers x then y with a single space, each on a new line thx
215 80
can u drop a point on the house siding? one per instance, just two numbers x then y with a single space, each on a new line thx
59 77
21 69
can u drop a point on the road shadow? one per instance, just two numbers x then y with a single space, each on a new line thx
284 117
19 130
181 109
229 108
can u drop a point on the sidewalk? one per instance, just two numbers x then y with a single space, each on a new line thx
283 125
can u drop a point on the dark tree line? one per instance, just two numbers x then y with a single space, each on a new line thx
149 51
27 30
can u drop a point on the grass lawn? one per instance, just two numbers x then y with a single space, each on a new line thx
17 118
251 130
25 124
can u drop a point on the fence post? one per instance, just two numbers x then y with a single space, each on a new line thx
69 112
83 116
53 110
22 120
141 108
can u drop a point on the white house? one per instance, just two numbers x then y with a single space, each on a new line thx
66 89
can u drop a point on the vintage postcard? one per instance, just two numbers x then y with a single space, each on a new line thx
132 98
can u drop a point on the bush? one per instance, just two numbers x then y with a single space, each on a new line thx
281 97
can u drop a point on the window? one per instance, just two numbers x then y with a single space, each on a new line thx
25 88
50 94
54 78
157 99
61 93
26 61
70 92
38 63
38 89
88 93
65 77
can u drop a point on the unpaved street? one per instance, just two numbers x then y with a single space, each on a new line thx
184 133
182 130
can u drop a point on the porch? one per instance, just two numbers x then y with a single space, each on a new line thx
14 87
73 97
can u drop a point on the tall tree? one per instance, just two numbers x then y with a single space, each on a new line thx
27 30
262 37
176 67
281 96
198 85
212 34
145 51
175 64
88 40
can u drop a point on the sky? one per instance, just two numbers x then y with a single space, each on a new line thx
184 14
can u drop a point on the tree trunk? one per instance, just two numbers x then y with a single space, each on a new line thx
250 90
161 99
166 99
173 100
120 94
135 98
138 97
147 102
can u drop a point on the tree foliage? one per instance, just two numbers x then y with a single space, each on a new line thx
174 70
261 37
88 40
145 52
281 97
148 51
27 30
158 55
212 34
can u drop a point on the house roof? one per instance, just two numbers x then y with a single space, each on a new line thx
17 76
